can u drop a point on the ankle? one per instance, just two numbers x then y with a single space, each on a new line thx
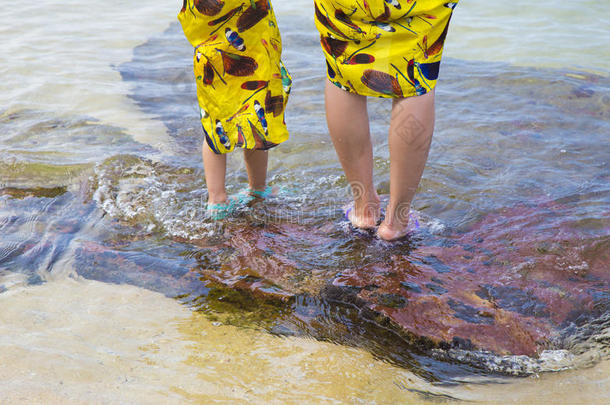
397 216
257 187
367 200
368 208
217 198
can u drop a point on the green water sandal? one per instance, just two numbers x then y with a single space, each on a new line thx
220 211
248 195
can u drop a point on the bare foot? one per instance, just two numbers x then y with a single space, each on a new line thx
397 224
392 232
364 214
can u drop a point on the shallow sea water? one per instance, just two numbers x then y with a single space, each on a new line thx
100 204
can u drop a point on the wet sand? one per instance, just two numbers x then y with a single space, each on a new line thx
85 342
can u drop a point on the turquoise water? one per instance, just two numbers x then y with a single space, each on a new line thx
101 178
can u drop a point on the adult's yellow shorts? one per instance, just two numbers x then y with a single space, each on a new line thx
383 48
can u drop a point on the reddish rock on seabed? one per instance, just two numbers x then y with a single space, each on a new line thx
508 285
511 282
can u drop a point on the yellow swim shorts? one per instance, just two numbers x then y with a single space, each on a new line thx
383 48
242 85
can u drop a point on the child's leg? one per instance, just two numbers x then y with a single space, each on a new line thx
215 167
410 136
348 124
256 166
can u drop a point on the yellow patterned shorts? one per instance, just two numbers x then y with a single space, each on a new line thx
383 48
242 85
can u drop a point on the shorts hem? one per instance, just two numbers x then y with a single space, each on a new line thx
378 95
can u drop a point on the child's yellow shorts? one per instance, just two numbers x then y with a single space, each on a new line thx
383 48
242 85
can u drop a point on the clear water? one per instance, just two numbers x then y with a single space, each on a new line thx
101 179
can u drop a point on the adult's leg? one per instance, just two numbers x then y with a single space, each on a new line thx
215 167
348 124
411 129
256 166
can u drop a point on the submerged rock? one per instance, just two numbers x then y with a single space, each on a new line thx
492 289
509 284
